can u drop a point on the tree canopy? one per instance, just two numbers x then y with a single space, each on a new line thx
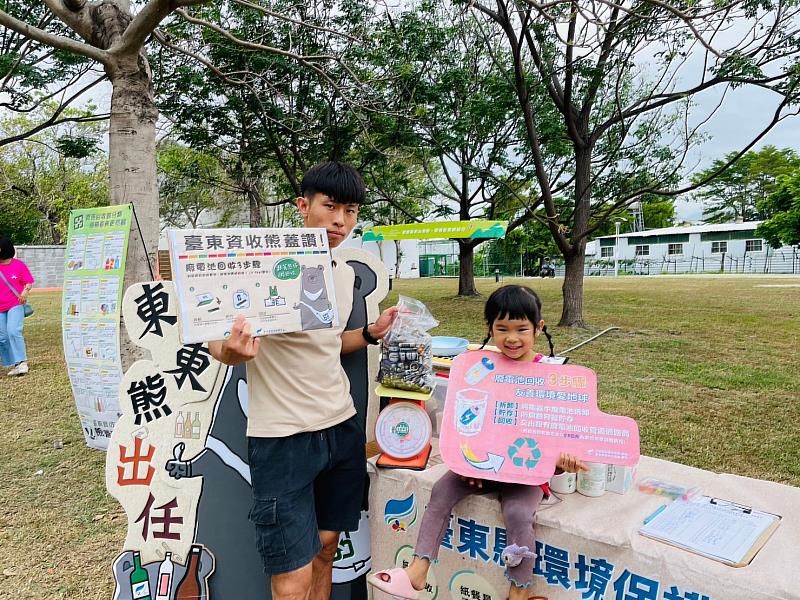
740 191
621 77
782 210
47 174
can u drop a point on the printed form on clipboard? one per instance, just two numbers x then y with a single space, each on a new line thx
718 529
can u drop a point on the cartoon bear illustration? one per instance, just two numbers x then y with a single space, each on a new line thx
316 310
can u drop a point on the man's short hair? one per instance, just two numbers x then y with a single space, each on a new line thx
338 180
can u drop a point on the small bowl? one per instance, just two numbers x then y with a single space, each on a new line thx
448 346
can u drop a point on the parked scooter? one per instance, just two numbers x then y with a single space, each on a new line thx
548 268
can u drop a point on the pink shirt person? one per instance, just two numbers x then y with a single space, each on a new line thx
18 275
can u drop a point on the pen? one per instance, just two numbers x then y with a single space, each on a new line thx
655 514
734 505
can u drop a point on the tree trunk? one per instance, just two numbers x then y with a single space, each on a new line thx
572 291
575 258
132 171
398 256
255 210
466 271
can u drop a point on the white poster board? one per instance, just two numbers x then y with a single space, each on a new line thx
281 280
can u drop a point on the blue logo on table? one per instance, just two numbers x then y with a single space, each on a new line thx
401 514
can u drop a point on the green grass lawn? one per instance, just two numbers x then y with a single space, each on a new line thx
708 367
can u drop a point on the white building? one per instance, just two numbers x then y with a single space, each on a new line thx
728 247
387 252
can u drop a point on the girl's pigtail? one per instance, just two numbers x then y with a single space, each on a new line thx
549 341
486 340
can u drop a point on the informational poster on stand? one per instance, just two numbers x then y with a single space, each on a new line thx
281 280
94 266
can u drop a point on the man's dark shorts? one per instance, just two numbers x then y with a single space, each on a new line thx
302 484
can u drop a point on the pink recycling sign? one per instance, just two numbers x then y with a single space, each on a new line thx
509 421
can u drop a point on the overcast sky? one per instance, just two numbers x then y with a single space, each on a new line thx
744 113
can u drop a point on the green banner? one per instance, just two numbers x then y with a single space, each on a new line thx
94 267
478 228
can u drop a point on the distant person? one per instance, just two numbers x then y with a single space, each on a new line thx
16 282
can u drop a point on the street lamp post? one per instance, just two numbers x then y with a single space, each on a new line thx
616 249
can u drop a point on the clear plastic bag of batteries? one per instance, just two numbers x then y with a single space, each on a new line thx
406 351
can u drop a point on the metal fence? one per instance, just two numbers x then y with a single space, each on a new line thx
783 261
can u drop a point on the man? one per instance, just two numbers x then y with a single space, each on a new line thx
305 445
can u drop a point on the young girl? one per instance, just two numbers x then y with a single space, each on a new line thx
514 316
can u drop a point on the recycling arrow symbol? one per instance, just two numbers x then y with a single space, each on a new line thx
524 452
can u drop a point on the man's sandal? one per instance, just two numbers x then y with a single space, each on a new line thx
394 582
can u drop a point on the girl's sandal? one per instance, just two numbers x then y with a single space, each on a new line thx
394 582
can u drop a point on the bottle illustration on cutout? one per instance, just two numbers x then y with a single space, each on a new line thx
164 579
189 587
140 581
187 426
479 370
179 425
196 426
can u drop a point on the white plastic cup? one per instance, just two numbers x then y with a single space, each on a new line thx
564 483
592 483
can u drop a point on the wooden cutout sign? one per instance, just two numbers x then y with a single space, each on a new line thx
509 421
178 464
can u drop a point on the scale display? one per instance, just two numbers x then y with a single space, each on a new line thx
403 430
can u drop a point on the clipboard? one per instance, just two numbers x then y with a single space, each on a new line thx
719 529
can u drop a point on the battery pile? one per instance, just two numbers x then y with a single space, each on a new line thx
407 364
407 350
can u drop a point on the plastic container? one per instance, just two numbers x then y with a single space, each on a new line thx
592 483
659 487
448 346
435 404
564 483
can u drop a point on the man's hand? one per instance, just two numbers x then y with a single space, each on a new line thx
178 468
240 346
381 327
570 464
354 339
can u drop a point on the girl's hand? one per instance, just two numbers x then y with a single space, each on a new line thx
473 483
570 464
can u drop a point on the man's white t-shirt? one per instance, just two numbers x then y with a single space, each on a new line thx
296 382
